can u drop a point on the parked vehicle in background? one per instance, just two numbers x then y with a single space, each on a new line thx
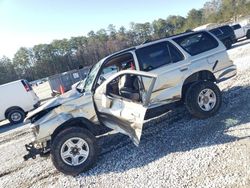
226 34
105 75
17 99
240 31
122 89
65 80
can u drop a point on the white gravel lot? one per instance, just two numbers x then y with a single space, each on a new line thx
176 150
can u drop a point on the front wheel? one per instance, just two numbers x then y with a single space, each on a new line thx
74 150
203 99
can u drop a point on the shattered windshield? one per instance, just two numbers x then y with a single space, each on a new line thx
91 76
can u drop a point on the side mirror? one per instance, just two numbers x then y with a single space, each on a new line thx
102 78
106 102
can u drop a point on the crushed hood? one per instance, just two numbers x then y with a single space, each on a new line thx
57 101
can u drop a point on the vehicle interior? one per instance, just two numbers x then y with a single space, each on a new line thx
126 86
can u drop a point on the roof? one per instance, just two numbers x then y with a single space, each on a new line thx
148 43
6 84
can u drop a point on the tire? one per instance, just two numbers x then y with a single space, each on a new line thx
248 34
60 143
16 116
228 44
203 99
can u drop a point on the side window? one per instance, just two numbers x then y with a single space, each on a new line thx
114 65
216 32
176 55
236 26
153 56
129 86
110 69
126 86
197 43
227 29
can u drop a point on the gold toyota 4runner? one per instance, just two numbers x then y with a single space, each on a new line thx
124 87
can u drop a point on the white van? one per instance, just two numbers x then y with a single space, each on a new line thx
17 99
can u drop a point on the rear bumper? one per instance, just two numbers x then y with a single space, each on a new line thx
225 74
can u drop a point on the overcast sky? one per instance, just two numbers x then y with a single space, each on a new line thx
30 22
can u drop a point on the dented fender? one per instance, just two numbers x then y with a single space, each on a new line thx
80 106
49 125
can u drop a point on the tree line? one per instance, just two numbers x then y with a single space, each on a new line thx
43 60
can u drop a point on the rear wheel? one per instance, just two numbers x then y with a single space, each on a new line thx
74 150
203 99
16 116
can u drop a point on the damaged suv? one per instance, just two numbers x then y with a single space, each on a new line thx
122 88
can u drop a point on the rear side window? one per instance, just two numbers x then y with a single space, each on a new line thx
197 43
157 55
153 56
237 26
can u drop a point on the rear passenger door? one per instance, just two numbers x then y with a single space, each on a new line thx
168 62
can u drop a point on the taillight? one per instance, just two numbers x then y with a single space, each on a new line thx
26 86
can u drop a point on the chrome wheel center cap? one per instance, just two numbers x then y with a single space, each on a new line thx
75 151
205 100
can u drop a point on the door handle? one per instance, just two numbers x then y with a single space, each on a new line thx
183 69
215 64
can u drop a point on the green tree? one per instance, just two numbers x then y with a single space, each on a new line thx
175 24
159 28
112 31
44 60
7 70
194 19
23 63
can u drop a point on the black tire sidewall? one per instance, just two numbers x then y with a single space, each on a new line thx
59 140
22 114
192 99
248 34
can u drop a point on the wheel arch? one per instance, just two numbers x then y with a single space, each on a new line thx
76 122
204 75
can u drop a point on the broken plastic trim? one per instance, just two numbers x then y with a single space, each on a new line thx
39 115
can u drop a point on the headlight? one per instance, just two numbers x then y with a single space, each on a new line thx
35 129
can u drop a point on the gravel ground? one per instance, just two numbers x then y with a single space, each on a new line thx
176 150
